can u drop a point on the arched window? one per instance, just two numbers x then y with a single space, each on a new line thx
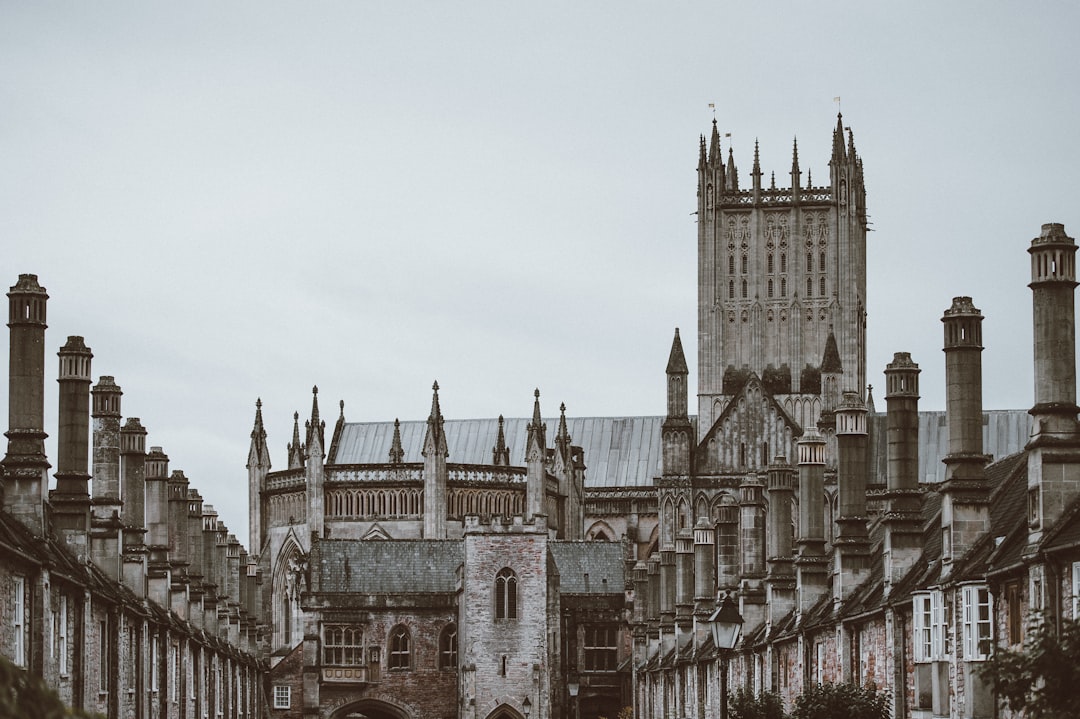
770 263
731 264
400 643
783 262
448 647
745 264
822 285
821 261
731 289
744 289
809 286
783 286
770 287
809 261
506 594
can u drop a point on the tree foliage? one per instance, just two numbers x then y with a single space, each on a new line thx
743 704
841 701
26 696
1041 678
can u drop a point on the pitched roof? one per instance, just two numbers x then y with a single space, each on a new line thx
386 567
619 451
589 567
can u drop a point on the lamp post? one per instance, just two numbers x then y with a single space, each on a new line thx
573 686
726 625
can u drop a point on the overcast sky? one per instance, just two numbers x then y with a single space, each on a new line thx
241 200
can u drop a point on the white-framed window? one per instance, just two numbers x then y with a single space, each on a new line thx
174 671
60 629
819 662
930 631
1076 590
103 655
921 620
977 622
19 622
153 664
939 626
282 696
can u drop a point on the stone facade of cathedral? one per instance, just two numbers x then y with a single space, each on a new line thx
119 588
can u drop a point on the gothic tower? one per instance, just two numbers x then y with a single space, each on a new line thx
777 269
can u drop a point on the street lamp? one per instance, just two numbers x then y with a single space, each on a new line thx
526 707
726 625
573 686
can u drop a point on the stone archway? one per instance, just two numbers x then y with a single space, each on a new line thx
370 709
505 711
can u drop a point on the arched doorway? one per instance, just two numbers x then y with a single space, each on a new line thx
370 709
505 711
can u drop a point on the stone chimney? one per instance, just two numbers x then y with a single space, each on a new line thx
964 507
852 546
811 566
1054 449
133 513
157 526
179 545
684 584
105 488
780 582
752 586
903 517
25 468
71 498
727 546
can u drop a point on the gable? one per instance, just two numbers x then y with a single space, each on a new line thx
751 431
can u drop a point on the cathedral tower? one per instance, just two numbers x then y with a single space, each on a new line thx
777 269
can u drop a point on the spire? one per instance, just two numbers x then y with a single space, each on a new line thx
537 431
715 151
772 180
676 363
809 178
732 172
435 438
796 174
397 454
838 139
756 172
315 424
500 453
701 154
830 362
296 450
851 144
562 437
870 399
258 454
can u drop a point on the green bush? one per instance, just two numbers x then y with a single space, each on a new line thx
25 696
841 701
743 704
1041 679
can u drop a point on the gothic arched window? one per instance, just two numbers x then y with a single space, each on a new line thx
783 286
770 287
809 261
770 263
731 289
744 289
400 648
448 647
783 262
745 264
822 284
809 286
506 594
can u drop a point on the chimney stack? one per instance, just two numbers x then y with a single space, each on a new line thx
1054 449
105 519
903 525
780 585
71 498
852 542
25 468
964 507
133 514
811 565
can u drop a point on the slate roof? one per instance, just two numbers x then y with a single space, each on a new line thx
589 567
386 567
619 451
